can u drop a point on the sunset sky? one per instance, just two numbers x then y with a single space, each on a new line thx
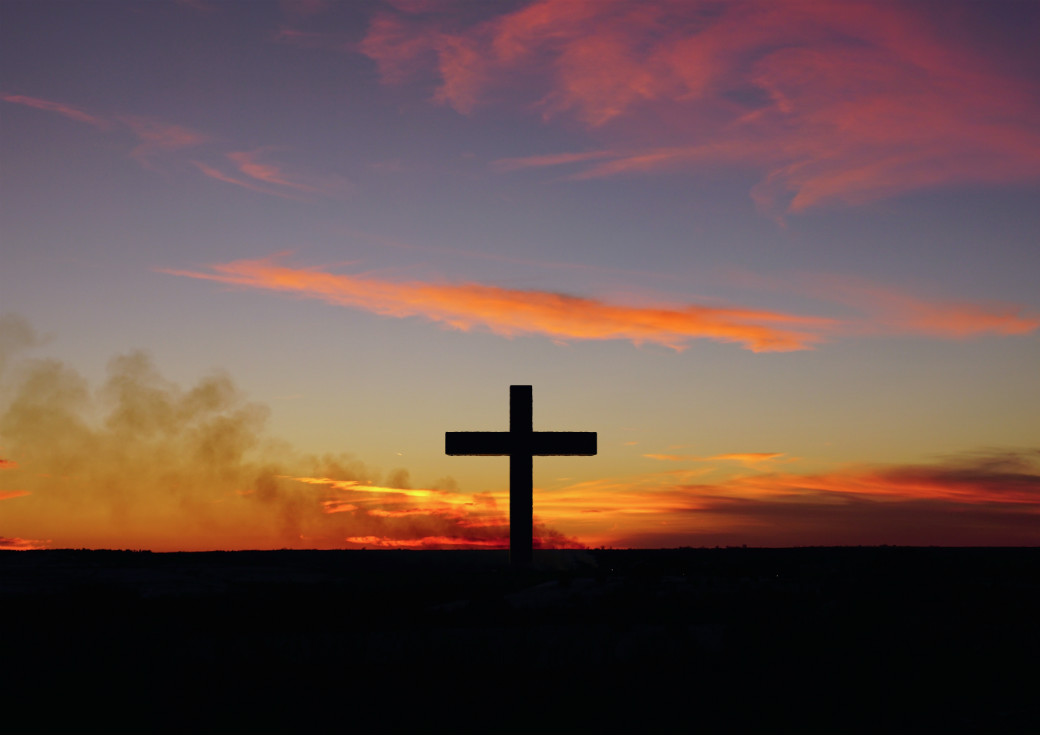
257 257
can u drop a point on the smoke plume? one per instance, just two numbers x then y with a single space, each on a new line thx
141 462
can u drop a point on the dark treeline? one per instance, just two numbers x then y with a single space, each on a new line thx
800 640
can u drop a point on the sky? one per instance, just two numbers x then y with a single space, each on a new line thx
258 257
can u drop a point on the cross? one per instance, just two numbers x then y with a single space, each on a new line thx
521 444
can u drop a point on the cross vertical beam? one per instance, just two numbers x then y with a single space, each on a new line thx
521 444
521 474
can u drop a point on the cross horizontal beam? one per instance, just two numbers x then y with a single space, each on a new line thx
503 443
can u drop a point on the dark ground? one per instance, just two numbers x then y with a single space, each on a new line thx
688 640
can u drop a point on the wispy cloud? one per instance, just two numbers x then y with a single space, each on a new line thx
887 309
256 165
214 173
157 137
748 459
511 312
891 310
73 113
257 173
557 159
154 136
833 102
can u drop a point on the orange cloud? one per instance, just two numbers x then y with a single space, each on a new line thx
510 312
834 102
7 464
21 544
745 458
424 517
8 494
73 113
984 499
748 457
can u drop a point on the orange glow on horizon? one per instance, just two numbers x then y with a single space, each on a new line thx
179 470
429 542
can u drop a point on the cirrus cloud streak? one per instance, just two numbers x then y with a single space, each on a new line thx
510 312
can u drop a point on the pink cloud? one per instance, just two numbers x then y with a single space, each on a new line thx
73 113
557 159
274 179
246 184
833 102
252 164
156 136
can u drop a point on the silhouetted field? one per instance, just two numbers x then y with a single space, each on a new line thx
800 640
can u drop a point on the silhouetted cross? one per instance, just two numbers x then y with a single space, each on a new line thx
521 443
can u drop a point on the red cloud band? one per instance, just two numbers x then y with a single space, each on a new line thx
835 102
